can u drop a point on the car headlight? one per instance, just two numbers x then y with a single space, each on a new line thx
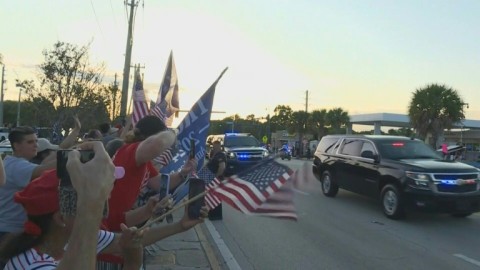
418 179
265 153
231 155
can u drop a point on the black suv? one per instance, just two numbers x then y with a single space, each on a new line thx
242 150
404 173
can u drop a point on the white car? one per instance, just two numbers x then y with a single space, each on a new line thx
5 148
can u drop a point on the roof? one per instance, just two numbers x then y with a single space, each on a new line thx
400 120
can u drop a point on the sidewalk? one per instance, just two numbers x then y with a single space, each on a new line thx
188 250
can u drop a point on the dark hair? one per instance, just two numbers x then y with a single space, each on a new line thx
17 135
104 128
15 244
146 127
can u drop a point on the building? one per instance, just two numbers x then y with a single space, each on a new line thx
466 132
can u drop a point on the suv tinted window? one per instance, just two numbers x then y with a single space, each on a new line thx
352 147
327 145
240 141
404 149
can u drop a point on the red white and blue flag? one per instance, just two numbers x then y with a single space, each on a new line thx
167 103
263 190
194 126
140 106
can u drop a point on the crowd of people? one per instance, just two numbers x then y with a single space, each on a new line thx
47 224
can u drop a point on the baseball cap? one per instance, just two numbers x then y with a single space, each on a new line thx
44 144
40 196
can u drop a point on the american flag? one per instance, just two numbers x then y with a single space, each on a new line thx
140 107
164 158
167 102
262 190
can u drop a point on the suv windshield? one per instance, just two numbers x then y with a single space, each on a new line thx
412 149
240 141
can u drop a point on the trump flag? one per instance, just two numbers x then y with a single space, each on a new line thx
193 127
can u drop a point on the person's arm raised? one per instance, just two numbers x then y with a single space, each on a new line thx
71 139
93 182
155 234
154 145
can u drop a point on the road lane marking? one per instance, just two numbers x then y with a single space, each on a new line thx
226 254
465 258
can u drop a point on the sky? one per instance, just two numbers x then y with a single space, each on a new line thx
364 56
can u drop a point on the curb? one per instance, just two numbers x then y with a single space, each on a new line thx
206 245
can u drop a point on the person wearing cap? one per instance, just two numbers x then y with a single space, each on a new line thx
19 171
59 236
46 150
58 230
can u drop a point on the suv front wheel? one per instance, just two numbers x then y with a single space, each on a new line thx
392 202
329 187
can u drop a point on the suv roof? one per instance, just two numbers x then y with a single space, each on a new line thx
377 137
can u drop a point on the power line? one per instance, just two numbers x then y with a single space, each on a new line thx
113 12
96 19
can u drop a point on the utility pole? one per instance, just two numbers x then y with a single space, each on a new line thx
128 59
135 67
18 104
1 95
306 103
114 97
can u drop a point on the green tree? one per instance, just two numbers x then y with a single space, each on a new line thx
281 119
433 109
337 118
71 84
318 121
298 122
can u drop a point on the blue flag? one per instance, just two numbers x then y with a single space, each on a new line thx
193 127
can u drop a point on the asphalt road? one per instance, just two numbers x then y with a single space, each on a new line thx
349 232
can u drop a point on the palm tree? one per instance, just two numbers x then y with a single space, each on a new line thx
318 121
433 109
337 118
299 123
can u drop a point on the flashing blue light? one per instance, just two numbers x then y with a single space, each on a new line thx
449 182
243 156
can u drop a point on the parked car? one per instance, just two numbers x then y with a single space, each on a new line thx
404 173
5 148
4 134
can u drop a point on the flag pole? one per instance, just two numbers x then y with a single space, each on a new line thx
198 196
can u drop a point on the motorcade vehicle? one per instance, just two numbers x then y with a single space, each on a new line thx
403 173
286 153
242 150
